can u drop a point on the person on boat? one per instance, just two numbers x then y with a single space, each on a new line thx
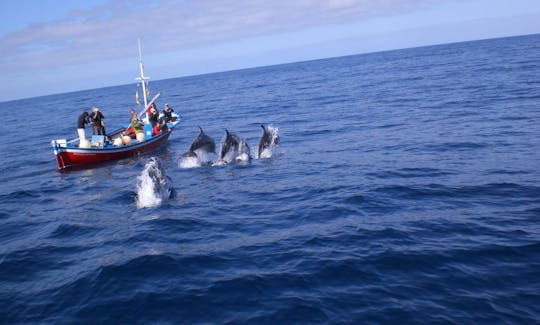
156 129
129 131
99 121
164 127
81 122
167 112
136 125
153 115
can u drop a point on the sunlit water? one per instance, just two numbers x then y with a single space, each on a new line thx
405 188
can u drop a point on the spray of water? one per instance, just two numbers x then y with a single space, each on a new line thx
200 158
189 162
153 186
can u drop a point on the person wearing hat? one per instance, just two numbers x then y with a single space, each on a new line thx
167 112
99 121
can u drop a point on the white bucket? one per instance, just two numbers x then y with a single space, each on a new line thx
140 137
84 144
126 140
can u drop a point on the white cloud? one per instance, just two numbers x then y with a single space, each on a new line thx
109 31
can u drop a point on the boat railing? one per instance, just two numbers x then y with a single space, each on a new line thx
63 143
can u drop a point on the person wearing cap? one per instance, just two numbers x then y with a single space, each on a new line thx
98 121
167 112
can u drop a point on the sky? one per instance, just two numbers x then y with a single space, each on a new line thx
58 46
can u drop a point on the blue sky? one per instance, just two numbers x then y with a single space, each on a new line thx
54 46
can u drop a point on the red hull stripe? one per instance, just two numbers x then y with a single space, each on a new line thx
68 157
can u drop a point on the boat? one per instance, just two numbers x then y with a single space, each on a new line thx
115 145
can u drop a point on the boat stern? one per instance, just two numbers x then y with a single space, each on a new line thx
57 146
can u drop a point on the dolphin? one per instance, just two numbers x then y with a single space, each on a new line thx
230 143
234 148
268 139
203 142
156 172
153 186
189 154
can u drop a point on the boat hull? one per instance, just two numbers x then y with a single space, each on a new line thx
67 157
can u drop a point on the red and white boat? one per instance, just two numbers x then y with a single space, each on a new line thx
73 154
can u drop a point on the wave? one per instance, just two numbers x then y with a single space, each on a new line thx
501 190
410 173
454 146
73 230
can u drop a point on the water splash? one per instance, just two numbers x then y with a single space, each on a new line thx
196 159
189 162
153 185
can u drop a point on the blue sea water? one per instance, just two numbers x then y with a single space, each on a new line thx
405 189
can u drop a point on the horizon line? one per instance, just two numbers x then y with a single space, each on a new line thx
276 65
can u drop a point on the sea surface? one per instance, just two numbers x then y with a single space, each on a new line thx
405 189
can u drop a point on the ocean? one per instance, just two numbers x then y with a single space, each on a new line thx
405 189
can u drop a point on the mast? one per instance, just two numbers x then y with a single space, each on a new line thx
142 78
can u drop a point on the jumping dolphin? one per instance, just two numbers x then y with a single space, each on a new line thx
203 142
153 185
234 148
269 139
197 155
161 182
229 144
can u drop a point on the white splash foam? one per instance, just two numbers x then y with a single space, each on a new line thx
269 152
219 162
266 153
274 131
153 186
204 156
202 159
189 162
